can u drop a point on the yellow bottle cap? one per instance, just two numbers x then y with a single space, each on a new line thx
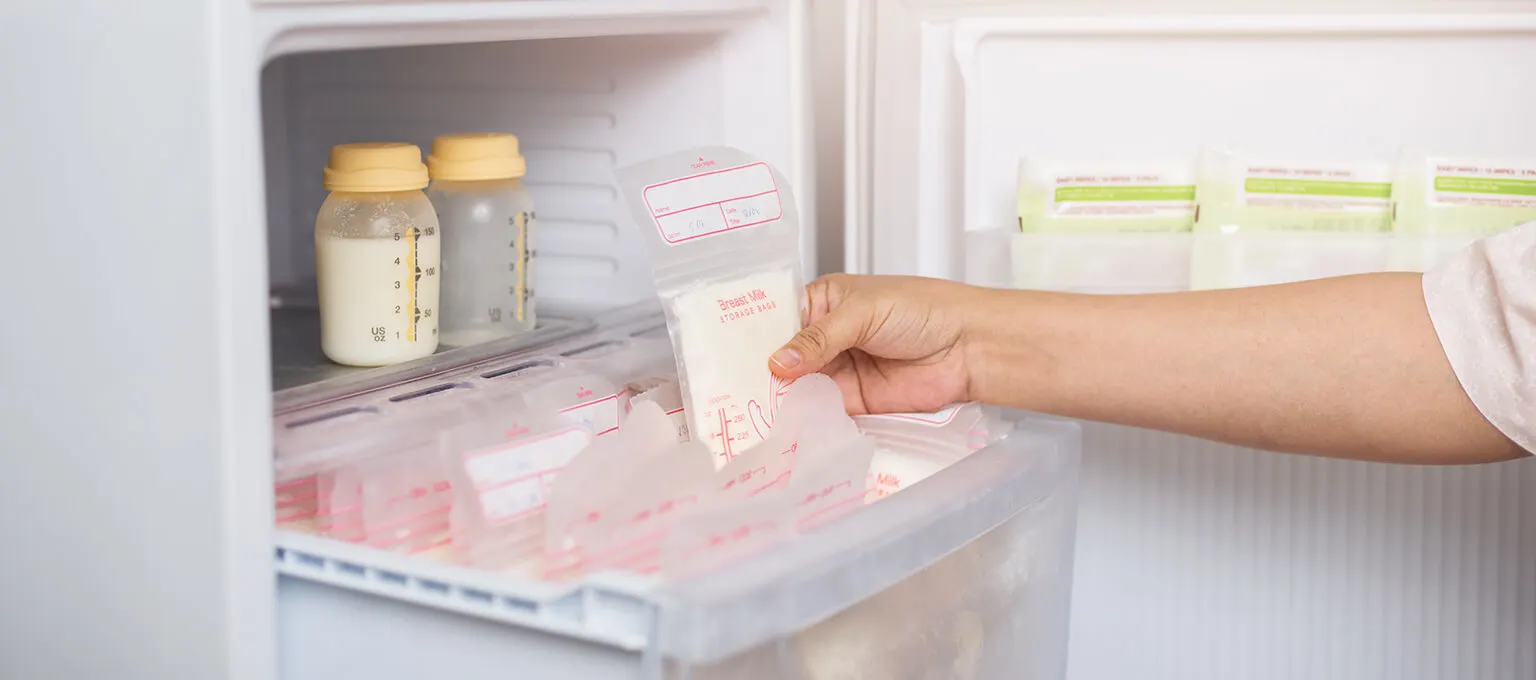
375 167
475 157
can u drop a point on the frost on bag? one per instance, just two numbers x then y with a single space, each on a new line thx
612 506
724 241
501 470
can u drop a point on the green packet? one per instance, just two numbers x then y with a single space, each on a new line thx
1446 195
1239 193
1105 197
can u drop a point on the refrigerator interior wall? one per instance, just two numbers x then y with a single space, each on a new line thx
1199 560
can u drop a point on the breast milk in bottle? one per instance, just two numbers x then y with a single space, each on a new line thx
377 257
488 225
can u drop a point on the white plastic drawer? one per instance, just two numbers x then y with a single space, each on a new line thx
967 574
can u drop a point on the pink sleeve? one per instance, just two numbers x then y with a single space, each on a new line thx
1482 302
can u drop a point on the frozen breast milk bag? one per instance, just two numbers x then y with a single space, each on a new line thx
811 418
954 430
595 480
1104 227
724 241
629 534
715 534
830 479
501 474
668 395
910 447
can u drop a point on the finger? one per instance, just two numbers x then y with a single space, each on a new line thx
842 372
822 295
821 342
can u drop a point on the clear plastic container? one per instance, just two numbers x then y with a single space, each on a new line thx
488 225
377 257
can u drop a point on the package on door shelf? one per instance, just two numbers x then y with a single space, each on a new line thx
1257 218
1238 191
1106 197
1096 226
1463 195
1444 203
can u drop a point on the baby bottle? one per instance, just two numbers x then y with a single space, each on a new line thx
376 257
488 225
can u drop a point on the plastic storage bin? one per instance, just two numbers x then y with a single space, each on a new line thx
965 575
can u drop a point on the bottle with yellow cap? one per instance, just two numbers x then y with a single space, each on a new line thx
488 224
377 257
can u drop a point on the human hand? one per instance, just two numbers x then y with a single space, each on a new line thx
893 344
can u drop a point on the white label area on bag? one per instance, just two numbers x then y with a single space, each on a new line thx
1472 182
513 480
714 201
938 418
600 415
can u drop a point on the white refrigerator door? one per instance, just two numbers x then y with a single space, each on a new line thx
1199 560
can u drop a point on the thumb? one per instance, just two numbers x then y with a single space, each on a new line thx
819 343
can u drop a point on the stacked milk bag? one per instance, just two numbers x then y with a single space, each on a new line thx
658 444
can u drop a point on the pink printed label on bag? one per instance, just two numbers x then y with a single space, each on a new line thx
513 480
714 201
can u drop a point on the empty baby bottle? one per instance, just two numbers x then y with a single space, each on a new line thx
488 225
376 257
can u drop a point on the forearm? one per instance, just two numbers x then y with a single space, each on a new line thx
1347 367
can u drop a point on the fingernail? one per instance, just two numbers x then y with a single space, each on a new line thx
786 358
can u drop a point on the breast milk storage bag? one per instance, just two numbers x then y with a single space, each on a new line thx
376 257
487 219
725 252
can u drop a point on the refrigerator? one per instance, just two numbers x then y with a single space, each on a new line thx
164 172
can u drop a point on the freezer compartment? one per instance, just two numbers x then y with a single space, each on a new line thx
580 106
966 574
